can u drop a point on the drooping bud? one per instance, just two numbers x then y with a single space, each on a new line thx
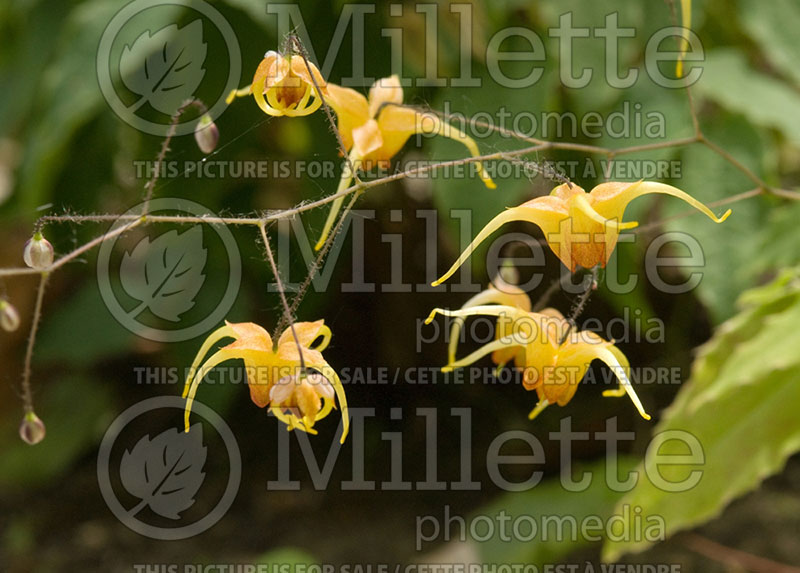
206 134
32 429
9 317
38 253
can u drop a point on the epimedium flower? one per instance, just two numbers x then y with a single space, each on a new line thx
581 228
283 85
298 392
552 356
375 128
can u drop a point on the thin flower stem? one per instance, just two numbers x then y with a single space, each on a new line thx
736 163
547 295
282 294
316 265
580 305
734 557
297 44
179 219
173 126
27 391
74 254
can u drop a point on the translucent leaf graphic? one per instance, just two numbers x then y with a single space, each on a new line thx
166 67
165 472
165 275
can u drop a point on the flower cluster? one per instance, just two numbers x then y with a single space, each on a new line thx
582 229
552 356
373 130
290 376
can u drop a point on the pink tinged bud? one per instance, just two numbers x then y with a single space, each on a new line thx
38 253
32 429
206 134
9 317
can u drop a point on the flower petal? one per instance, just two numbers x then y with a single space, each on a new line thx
307 333
226 331
515 340
216 358
326 370
621 369
344 183
367 138
271 71
508 295
300 69
251 336
385 91
610 199
429 123
396 124
351 110
546 212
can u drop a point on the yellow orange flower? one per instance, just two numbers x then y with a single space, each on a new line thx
283 85
581 228
374 130
553 357
275 373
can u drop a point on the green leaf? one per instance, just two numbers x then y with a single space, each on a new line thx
779 242
549 504
730 249
729 81
775 30
27 28
740 403
67 98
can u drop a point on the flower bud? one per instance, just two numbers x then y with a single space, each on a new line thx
32 429
9 317
206 134
509 273
38 252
